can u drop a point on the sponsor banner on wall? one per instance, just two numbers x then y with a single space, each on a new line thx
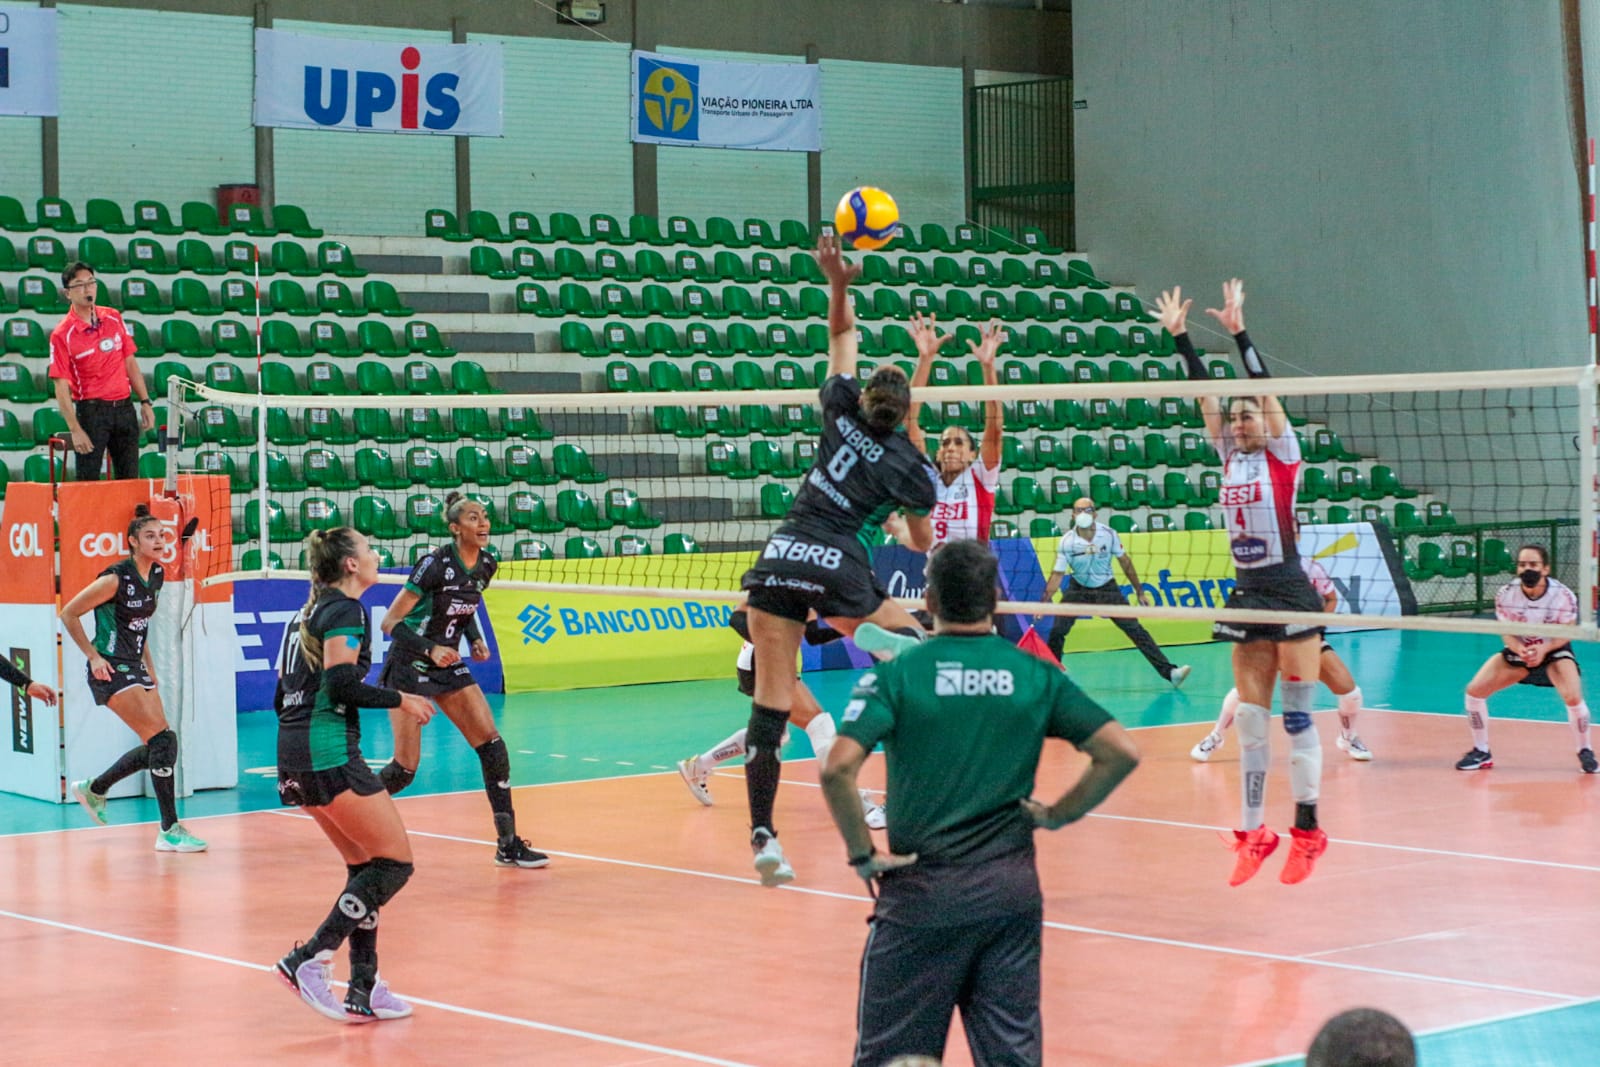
28 73
1361 561
331 83
708 104
263 608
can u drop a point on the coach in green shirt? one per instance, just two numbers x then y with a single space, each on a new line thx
962 719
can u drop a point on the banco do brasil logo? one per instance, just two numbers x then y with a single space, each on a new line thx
667 100
536 624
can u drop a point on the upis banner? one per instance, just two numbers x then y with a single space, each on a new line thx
28 73
703 104
332 83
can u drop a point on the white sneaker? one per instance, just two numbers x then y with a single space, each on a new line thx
1354 746
872 811
698 781
385 1005
880 643
1201 753
770 864
1178 675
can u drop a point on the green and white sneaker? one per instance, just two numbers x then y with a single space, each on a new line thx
882 644
92 802
178 839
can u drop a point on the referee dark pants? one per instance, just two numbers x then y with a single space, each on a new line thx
1108 593
113 427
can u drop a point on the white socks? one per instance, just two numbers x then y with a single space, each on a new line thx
1349 708
1255 754
1578 719
1478 720
732 748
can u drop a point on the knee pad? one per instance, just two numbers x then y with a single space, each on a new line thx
396 777
163 753
916 633
1251 721
1305 765
747 681
818 634
740 621
495 759
385 877
767 729
1297 706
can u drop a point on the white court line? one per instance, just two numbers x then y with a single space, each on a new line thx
532 1024
1069 927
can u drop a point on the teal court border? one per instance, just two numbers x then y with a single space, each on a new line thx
586 734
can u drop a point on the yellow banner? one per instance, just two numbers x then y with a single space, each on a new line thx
1178 568
579 640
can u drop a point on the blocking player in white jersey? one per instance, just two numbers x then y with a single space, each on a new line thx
968 475
1261 472
1333 673
1536 598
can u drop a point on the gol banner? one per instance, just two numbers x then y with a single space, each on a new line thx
94 519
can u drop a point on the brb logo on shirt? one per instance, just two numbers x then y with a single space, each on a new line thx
957 680
375 93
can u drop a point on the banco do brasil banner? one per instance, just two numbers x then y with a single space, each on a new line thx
331 83
705 104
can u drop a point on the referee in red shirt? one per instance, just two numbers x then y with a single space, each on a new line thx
92 362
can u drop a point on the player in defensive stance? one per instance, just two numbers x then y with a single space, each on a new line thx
435 610
326 653
806 714
815 560
1534 597
1261 473
1334 674
123 599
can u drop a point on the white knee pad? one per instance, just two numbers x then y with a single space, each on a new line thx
1252 721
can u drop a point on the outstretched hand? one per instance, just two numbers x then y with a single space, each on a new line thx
925 332
1172 310
831 261
1231 317
988 347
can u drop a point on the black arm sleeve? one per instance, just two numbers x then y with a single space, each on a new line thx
1250 357
12 676
346 687
409 641
1191 358
470 628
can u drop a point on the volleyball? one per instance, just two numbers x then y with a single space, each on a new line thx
867 217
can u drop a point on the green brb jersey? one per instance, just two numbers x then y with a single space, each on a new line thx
962 719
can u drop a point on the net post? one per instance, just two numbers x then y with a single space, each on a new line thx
1588 499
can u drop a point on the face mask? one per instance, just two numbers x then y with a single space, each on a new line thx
1530 577
1084 520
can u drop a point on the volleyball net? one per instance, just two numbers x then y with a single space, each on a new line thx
1429 483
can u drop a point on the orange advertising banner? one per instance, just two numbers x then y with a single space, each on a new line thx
94 519
26 555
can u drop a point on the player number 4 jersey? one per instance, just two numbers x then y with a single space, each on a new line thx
1257 500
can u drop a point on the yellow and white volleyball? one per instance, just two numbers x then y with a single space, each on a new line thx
867 217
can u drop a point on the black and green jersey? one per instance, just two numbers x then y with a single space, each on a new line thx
448 593
962 720
314 732
122 624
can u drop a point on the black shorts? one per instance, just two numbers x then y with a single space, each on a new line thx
124 675
422 678
316 789
799 573
1537 675
1280 587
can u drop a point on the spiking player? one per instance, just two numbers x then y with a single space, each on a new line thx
1333 674
1536 598
1261 473
815 560
435 610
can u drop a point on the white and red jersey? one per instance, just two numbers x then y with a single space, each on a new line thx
1257 499
966 505
1557 607
1319 577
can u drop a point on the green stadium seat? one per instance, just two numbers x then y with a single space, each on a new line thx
322 468
191 296
565 226
105 215
47 253
624 507
240 257
573 463
422 378
474 466
291 258
226 377
723 459
485 227
645 229
424 514
1043 527
240 297
582 547
375 468
525 226
376 424
327 379
197 216
241 476
291 219
576 508
27 338
281 428
486 262
41 468
319 513
524 464
151 216
279 530
534 299
247 218
622 376
220 426
1384 483
1197 520
527 511
426 424
1161 522
528 549
379 297
18 385
13 217
437 222
376 338
425 466
287 297
776 500
375 517
676 544
277 379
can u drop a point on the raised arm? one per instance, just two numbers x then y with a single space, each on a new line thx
1172 311
1231 318
984 351
843 346
925 332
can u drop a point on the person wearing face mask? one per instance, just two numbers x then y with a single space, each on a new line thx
1536 598
1085 553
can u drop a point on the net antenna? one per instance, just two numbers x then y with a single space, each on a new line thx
672 493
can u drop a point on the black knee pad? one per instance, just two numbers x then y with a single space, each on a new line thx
385 877
163 753
747 681
740 621
767 728
496 760
395 777
818 634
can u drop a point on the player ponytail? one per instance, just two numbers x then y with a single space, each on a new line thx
326 551
886 399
